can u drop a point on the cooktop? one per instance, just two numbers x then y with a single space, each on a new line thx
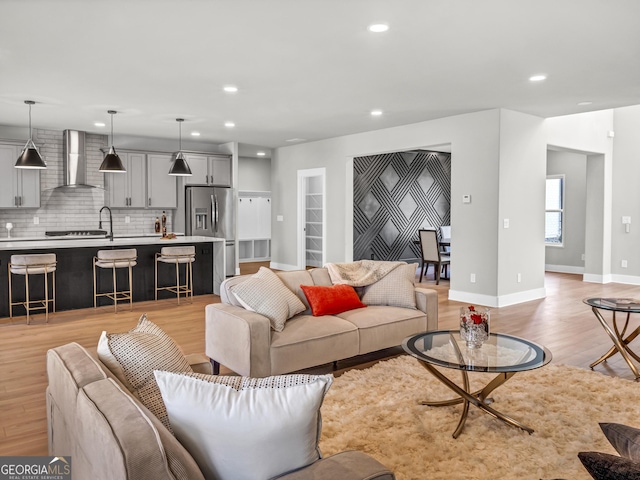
76 233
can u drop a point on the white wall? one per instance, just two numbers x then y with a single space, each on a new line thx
626 195
568 257
254 174
476 170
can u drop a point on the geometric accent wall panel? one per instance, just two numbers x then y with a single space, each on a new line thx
394 195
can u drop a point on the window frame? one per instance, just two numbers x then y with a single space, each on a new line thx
561 210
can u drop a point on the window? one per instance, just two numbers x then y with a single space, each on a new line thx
554 211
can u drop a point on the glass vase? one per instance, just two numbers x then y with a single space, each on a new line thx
474 325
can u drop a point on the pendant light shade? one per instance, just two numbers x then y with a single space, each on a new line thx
30 157
112 162
179 167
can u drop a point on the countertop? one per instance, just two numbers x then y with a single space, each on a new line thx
49 242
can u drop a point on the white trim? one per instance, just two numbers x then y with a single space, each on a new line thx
626 279
501 301
282 266
596 278
563 269
301 241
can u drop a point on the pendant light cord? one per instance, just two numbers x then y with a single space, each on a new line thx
30 134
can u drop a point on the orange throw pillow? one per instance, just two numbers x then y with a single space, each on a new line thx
331 300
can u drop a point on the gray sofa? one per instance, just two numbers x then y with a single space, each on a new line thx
110 435
243 341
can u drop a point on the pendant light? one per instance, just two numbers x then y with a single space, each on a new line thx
179 167
112 162
30 157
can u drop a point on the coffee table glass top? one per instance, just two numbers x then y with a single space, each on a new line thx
616 304
500 353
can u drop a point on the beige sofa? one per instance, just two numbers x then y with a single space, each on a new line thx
110 435
243 341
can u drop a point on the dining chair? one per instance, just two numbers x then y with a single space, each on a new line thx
431 254
445 238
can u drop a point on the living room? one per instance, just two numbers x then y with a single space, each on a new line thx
498 129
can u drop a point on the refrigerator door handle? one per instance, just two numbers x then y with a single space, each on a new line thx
217 212
214 213
193 212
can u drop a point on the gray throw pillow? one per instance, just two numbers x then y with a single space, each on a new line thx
625 439
602 466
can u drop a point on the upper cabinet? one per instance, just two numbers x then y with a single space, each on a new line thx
128 189
19 188
162 188
209 170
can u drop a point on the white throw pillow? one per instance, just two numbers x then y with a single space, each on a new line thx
134 355
241 428
264 293
395 289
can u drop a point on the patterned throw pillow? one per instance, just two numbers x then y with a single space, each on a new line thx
264 293
134 356
246 428
395 289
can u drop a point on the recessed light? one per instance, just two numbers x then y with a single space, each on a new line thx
378 27
195 134
538 78
229 124
376 113
261 154
100 124
582 104
230 88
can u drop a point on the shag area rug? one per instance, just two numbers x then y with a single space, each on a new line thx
377 411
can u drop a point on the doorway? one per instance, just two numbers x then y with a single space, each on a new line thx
311 218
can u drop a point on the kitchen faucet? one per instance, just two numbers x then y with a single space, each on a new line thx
110 234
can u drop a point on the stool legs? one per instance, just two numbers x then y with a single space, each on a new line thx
186 289
115 295
27 303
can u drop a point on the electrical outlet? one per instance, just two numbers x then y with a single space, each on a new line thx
472 278
624 264
279 218
127 219
506 223
36 220
583 256
519 277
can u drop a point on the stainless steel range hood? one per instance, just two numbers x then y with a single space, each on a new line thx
74 160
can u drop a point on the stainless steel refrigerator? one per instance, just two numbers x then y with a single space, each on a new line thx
209 212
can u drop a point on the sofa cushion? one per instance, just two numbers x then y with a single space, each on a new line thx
137 353
329 300
308 341
603 466
264 293
383 327
396 288
241 428
625 439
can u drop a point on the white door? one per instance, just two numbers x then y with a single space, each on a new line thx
311 218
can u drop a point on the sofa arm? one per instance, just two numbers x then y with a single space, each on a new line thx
238 339
427 301
351 465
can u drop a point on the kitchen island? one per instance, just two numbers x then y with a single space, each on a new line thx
74 271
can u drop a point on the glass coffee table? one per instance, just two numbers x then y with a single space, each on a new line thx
503 354
618 336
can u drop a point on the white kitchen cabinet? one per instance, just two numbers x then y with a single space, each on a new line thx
162 188
209 170
19 187
128 190
254 226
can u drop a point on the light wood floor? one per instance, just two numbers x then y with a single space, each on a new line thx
561 322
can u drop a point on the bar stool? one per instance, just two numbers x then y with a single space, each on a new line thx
114 259
36 264
178 255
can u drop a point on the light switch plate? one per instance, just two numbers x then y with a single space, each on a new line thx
466 199
280 218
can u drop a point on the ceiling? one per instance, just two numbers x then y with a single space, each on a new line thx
308 69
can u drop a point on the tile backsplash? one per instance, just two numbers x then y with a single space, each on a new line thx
70 208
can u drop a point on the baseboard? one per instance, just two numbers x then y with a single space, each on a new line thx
596 278
564 269
626 279
282 266
497 301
